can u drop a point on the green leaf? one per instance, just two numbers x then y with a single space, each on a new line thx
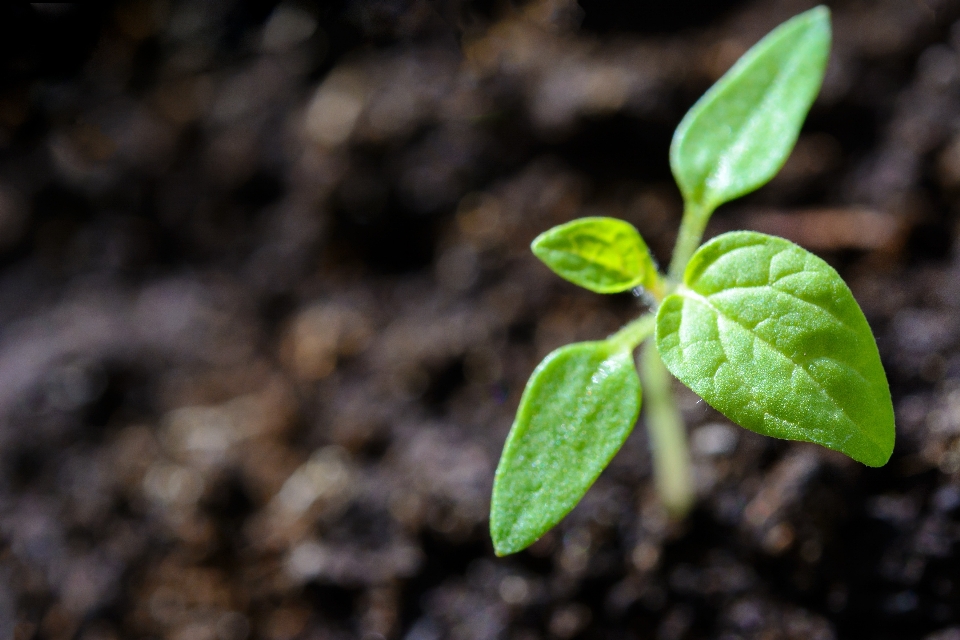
770 336
604 255
739 134
579 406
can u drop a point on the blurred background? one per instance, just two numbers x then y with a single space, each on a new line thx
267 308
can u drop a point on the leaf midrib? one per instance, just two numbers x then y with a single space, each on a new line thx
750 123
590 262
771 281
789 294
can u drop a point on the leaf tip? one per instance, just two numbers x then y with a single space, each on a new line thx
815 18
818 21
503 544
503 523
820 13
878 456
538 249
502 551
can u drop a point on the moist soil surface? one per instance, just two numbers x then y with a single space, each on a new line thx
267 308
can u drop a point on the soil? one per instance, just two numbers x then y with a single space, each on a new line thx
267 309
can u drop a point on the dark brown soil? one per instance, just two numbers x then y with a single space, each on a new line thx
267 308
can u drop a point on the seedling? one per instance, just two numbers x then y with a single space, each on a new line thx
764 331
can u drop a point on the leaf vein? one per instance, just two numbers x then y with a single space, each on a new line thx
790 294
796 364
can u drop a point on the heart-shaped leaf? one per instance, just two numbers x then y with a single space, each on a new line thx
739 134
579 406
604 255
771 336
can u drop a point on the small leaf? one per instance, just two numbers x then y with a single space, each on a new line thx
739 134
604 255
770 336
579 406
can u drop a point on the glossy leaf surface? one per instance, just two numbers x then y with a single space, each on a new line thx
739 134
604 255
770 335
579 406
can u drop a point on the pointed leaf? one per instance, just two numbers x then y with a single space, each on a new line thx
739 134
579 406
770 336
604 255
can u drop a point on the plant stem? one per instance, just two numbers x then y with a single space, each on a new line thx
672 470
634 332
688 238
668 438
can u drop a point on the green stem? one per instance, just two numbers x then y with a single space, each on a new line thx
668 437
634 332
688 239
672 469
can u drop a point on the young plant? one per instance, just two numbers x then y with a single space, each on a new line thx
763 330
